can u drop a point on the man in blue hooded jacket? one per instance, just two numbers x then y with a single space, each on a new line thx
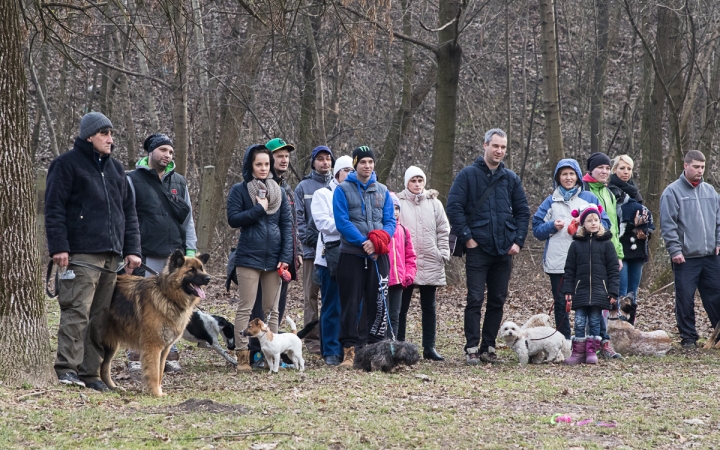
364 216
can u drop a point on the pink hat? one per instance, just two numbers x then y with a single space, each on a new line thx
589 209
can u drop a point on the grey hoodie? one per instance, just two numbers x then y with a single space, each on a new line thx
690 218
303 199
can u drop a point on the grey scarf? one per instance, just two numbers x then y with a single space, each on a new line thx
274 195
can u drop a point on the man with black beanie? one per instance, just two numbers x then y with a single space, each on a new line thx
365 218
90 221
164 212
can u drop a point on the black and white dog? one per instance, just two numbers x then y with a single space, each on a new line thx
204 329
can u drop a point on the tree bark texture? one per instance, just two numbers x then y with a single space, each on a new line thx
551 92
178 27
244 66
449 60
603 33
25 354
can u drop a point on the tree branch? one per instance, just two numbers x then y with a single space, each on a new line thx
112 66
404 37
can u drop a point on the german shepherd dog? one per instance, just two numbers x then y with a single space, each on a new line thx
150 314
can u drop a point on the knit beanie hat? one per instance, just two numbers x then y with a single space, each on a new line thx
317 150
589 209
597 159
278 144
412 172
342 162
93 122
395 199
156 140
360 153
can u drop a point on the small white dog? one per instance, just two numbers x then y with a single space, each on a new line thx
538 320
543 320
534 341
272 345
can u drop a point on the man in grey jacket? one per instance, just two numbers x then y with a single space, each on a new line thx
321 161
690 224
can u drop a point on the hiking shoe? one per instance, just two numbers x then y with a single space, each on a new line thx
607 351
173 367
134 367
99 386
71 378
258 361
333 360
472 357
488 357
688 344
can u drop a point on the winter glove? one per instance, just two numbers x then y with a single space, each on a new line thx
381 241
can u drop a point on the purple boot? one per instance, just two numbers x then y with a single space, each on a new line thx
578 352
592 345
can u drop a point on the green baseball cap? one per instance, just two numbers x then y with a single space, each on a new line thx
278 144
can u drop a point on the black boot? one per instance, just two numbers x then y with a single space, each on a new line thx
431 354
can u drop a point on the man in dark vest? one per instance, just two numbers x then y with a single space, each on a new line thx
164 212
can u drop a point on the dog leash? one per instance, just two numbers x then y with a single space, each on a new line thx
387 310
51 263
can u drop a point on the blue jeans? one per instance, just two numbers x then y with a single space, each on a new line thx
590 316
630 276
330 314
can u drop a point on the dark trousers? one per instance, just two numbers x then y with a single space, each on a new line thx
494 271
257 312
395 294
427 307
562 319
363 285
702 274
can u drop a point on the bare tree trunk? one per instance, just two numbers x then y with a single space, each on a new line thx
508 90
25 355
44 107
400 125
204 119
604 33
149 99
311 28
449 60
705 143
125 103
244 65
307 115
551 91
178 21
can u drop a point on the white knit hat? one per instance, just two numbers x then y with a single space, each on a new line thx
414 171
341 163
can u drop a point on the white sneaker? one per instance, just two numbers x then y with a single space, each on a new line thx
134 367
172 367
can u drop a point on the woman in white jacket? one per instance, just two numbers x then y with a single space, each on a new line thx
423 214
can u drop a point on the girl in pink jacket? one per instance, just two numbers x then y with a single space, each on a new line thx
403 267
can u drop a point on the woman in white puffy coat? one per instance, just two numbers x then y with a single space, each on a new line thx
423 214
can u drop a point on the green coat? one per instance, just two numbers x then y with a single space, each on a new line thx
607 199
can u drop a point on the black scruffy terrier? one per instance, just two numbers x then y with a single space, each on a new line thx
386 355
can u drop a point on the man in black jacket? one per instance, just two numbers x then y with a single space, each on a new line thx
492 233
166 223
90 220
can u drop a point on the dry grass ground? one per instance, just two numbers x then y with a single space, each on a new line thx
657 403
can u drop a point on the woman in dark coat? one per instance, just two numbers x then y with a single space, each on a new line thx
591 282
259 206
636 224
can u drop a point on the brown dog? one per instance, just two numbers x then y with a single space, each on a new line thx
629 341
150 314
